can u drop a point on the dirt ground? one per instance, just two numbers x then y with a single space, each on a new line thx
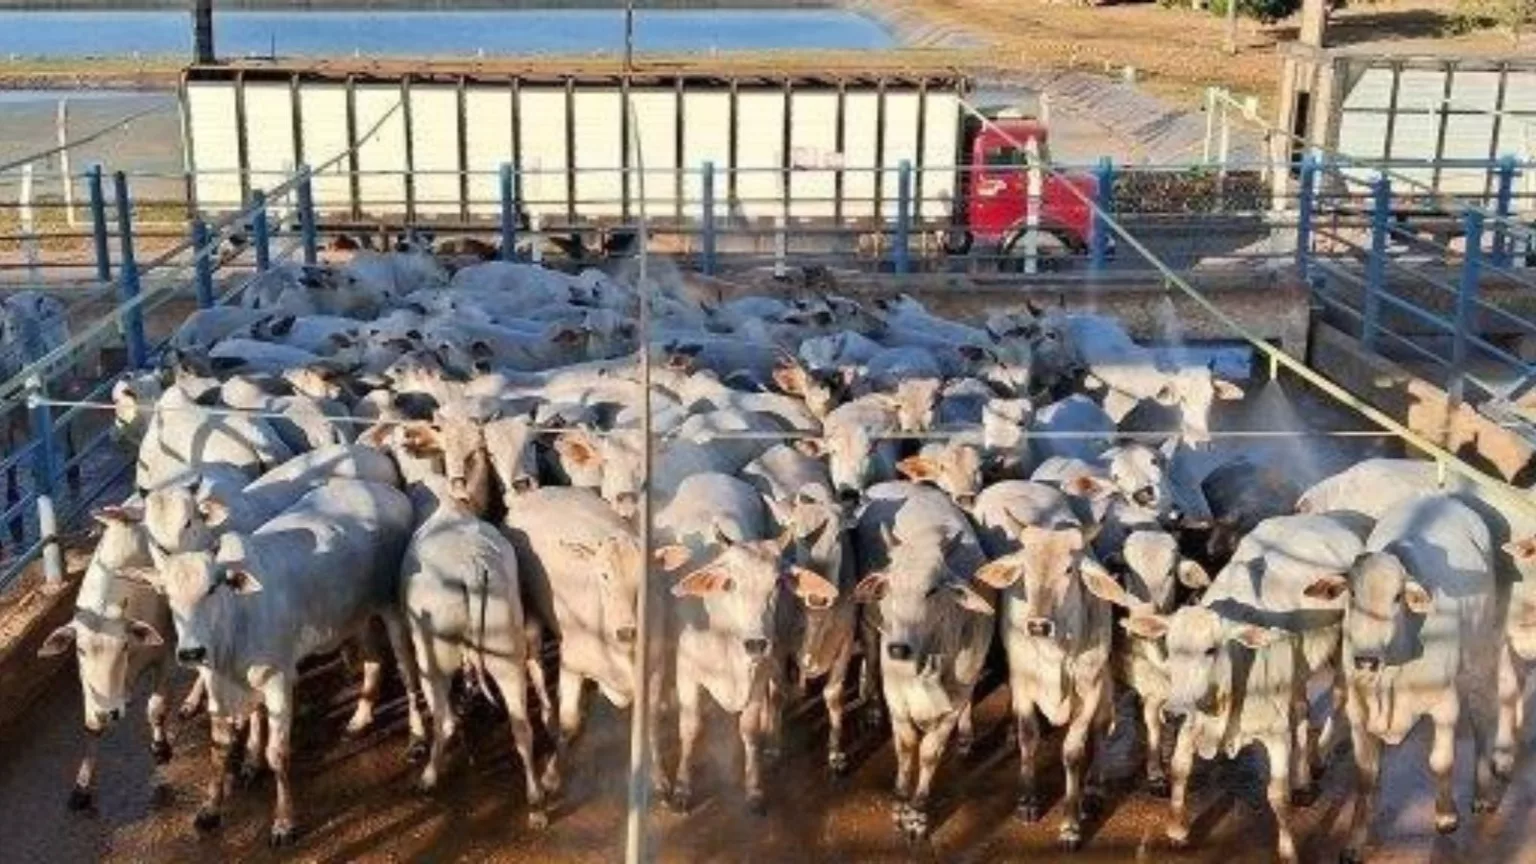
1179 52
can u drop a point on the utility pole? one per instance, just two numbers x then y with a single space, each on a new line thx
629 36
1232 27
202 31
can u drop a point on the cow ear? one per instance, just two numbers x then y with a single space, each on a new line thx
215 512
871 588
1226 390
144 634
1523 550
1090 487
812 447
1146 626
918 468
120 514
703 582
672 557
1329 586
1101 584
242 581
574 447
1417 598
1253 636
1192 575
422 440
790 378
969 600
1001 573
1093 382
812 589
58 641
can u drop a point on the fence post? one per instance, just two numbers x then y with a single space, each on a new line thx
28 225
1306 204
1503 205
709 219
128 277
99 223
1376 266
508 214
307 228
1034 190
1104 199
1466 304
202 263
44 473
261 236
902 253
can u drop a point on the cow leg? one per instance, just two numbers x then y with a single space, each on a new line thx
367 697
833 694
1485 795
1181 767
569 731
771 718
1442 764
1336 721
255 744
536 676
905 737
1367 775
511 677
396 630
752 724
222 751
1305 785
13 495
965 730
1075 755
277 696
82 795
1027 730
930 751
1512 674
1279 792
438 661
156 710
1152 719
871 696
689 724
192 703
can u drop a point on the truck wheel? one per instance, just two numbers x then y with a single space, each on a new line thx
958 242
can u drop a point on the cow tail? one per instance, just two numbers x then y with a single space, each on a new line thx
483 582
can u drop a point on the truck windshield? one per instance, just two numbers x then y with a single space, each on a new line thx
1005 156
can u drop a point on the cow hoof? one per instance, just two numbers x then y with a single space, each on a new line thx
1306 796
551 782
916 826
1484 806
1158 787
248 773
837 763
206 819
416 752
900 813
161 750
772 755
1178 836
538 820
681 799
1503 763
282 836
1447 823
188 710
756 804
964 745
1070 838
1351 856
873 718
1028 810
81 799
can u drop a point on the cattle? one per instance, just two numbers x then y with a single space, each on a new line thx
460 594
116 634
1056 634
918 558
1421 639
181 438
725 621
246 613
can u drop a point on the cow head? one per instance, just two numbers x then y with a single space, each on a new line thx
953 467
851 460
815 526
1384 609
618 568
1140 475
741 589
177 519
1048 571
460 442
1194 390
1154 569
820 393
102 637
204 596
1199 657
509 442
1005 423
919 593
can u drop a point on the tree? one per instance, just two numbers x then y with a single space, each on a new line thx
1267 11
1512 16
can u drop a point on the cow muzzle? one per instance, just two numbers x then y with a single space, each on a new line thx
847 495
191 656
755 647
459 487
625 635
901 652
1367 664
1146 496
1042 628
966 501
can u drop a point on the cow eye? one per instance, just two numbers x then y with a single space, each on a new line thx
1398 598
1211 651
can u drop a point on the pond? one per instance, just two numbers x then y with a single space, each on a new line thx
420 33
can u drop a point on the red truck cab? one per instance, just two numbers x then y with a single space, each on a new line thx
995 188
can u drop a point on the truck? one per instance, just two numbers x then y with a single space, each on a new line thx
812 154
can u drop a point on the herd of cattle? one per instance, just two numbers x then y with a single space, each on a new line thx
865 495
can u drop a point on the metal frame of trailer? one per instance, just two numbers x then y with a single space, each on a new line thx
447 170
